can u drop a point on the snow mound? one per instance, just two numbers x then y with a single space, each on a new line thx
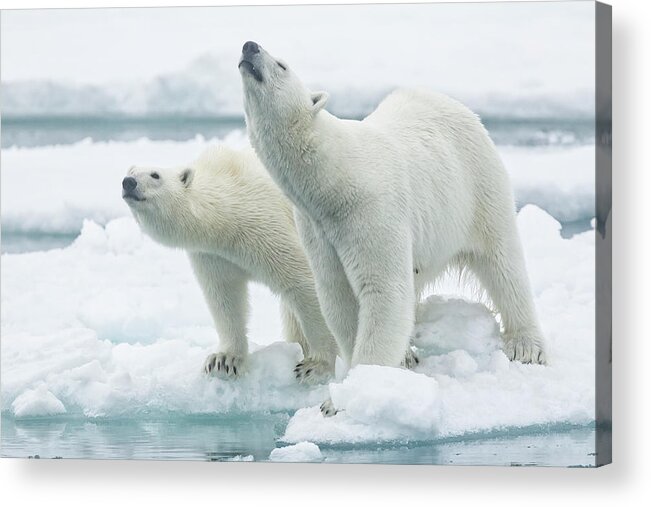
298 453
373 395
375 403
447 324
37 402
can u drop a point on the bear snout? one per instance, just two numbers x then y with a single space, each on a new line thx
129 183
250 48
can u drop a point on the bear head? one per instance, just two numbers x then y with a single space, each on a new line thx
154 193
273 91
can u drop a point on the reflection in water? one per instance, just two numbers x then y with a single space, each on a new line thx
224 438
566 448
200 438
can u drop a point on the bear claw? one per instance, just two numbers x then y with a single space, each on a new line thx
312 371
328 408
223 365
526 351
411 359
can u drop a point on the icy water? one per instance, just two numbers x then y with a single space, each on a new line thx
45 131
31 132
16 242
19 242
227 438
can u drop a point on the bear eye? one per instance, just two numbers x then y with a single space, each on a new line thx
155 175
281 66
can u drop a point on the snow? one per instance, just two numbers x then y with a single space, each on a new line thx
37 402
115 326
457 324
53 189
301 452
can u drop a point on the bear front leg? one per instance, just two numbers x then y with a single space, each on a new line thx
379 267
224 286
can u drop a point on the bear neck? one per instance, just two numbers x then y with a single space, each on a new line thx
293 154
165 224
181 223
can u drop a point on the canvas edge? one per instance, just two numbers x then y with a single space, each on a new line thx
604 233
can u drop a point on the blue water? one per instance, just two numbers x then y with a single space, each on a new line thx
223 438
28 132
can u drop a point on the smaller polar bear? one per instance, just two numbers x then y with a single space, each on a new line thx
236 227
387 204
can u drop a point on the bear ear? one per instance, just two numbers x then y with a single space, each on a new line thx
186 176
319 100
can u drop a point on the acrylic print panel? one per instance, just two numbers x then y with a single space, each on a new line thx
137 222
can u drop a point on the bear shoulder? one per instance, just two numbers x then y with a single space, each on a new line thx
406 108
241 167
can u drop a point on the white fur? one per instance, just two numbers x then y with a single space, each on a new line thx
386 204
236 226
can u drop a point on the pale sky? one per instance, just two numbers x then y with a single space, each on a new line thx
546 47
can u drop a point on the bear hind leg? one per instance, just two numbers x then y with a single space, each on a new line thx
502 273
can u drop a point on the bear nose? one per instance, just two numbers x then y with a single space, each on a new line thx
129 183
250 48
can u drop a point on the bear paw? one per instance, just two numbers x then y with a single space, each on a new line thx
328 409
224 365
411 359
313 371
527 350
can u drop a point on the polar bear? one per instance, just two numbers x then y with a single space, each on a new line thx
236 227
385 205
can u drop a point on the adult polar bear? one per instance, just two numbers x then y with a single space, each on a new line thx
386 204
236 226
